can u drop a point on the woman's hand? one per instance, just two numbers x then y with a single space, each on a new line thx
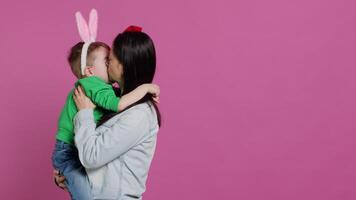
59 180
81 100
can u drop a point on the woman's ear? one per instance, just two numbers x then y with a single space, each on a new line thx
89 71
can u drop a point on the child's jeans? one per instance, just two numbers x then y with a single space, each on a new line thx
65 159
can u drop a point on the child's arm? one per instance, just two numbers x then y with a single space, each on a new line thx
104 96
137 94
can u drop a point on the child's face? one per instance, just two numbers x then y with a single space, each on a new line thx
100 57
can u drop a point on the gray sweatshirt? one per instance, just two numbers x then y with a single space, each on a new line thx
117 155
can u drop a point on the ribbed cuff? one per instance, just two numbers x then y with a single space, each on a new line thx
84 116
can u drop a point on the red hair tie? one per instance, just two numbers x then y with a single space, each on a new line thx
133 28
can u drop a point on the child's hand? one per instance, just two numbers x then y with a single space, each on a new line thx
153 89
59 180
156 99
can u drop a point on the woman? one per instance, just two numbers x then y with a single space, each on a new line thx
117 155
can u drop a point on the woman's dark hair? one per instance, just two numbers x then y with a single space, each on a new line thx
136 52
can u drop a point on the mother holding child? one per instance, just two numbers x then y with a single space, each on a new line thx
106 136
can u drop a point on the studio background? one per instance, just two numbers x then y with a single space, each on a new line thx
258 97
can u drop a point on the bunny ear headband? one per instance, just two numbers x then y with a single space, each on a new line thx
87 33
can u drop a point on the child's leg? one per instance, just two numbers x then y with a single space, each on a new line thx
65 159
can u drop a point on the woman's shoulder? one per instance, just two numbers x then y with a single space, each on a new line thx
142 108
143 111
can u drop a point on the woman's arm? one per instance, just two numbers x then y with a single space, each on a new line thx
99 148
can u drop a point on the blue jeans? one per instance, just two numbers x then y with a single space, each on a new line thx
66 160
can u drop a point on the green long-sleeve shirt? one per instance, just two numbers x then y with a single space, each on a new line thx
101 94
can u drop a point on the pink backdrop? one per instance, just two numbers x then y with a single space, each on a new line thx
258 97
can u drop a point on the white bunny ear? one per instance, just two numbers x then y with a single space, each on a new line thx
82 27
93 24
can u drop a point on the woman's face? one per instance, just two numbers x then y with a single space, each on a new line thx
115 69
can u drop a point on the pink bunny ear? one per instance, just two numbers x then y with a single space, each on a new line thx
93 24
82 27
